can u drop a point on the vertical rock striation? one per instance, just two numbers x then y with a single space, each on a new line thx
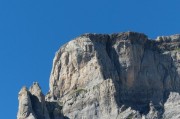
117 76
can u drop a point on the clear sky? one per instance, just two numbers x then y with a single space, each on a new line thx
31 31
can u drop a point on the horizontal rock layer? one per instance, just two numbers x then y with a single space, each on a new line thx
117 76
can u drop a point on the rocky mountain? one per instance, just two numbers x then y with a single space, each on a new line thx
117 76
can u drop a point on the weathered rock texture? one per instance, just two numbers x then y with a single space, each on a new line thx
118 76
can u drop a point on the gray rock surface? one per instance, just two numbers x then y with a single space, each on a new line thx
117 76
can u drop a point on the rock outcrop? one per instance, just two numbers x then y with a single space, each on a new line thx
117 76
32 103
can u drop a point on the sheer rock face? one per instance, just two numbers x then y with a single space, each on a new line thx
118 76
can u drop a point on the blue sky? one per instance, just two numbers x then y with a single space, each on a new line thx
31 31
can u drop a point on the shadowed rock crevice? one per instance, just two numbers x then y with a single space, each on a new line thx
55 110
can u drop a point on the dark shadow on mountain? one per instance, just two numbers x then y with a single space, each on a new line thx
141 99
55 110
37 107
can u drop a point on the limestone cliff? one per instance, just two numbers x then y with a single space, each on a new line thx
117 76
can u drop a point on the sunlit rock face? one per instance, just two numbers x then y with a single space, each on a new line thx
117 76
25 106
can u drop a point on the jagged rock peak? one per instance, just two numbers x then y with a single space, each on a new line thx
23 90
32 103
35 88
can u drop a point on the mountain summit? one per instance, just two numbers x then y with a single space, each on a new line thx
117 76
